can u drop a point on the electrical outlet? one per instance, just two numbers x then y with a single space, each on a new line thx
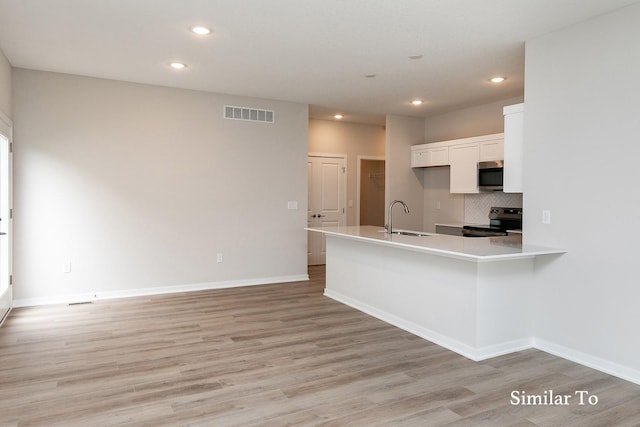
438 204
219 258
67 267
546 217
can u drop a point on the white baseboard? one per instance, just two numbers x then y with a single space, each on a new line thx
125 293
588 360
473 353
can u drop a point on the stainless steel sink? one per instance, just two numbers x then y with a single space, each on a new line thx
407 233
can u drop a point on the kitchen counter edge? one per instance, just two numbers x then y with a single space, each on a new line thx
482 249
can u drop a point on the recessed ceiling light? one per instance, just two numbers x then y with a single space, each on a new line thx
369 76
417 102
415 56
201 31
178 65
497 79
338 116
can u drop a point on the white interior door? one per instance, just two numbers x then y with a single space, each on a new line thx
327 200
5 217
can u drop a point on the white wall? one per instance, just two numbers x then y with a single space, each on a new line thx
141 186
5 86
440 205
352 140
482 119
403 182
582 130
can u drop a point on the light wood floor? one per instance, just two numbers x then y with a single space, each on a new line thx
271 355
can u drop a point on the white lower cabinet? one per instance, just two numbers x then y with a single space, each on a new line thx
464 168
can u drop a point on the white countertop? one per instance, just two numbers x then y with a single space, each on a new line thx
477 249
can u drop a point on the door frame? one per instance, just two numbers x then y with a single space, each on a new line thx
358 181
8 124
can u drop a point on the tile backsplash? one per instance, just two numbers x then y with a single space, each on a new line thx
477 206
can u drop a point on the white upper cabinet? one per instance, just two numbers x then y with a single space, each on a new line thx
462 155
492 149
513 147
427 155
464 168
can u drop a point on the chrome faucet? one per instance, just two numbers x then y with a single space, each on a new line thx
389 225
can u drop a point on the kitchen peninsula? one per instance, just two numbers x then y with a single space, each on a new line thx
469 295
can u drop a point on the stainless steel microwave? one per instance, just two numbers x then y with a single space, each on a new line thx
490 175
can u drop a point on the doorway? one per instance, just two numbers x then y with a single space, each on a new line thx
5 217
326 177
371 188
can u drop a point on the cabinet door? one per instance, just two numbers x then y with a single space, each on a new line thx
513 141
426 157
438 156
419 158
492 150
464 168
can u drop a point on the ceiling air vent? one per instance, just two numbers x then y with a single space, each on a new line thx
250 114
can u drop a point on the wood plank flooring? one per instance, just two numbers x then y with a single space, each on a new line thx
271 355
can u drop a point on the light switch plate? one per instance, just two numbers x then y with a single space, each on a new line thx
546 217
292 205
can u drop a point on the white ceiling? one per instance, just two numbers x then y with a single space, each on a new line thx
308 51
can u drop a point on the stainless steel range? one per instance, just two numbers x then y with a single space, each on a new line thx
500 220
